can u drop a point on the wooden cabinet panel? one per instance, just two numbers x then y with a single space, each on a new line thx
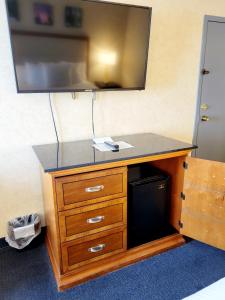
51 219
91 219
79 190
203 210
95 247
174 167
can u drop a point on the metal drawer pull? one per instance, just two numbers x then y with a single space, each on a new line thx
93 189
97 248
95 220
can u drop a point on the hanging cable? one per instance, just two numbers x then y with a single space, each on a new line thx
92 112
53 118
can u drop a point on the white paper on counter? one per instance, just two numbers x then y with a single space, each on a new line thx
102 140
103 147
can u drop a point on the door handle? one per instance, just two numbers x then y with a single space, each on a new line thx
93 189
95 220
205 118
205 72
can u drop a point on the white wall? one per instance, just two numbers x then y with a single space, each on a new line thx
166 107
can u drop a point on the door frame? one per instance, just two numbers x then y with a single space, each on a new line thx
207 19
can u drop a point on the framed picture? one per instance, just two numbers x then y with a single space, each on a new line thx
43 14
73 16
13 9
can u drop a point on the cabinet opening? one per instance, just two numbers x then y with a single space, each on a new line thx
154 200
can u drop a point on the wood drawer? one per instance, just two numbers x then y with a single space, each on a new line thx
84 189
91 219
92 248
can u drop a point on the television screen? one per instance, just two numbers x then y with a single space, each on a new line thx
78 45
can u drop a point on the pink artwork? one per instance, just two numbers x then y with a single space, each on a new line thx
43 14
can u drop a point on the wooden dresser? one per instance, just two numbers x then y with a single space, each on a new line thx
85 198
92 216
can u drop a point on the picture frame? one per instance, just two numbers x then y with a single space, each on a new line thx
73 16
13 9
43 14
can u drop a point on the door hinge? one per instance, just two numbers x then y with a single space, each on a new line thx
185 165
181 224
182 196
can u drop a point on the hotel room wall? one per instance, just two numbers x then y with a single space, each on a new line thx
166 107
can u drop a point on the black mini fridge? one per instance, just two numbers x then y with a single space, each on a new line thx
148 204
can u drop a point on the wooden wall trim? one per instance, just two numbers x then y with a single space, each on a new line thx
48 35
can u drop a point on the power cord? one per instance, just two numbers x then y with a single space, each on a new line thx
53 117
92 112
92 115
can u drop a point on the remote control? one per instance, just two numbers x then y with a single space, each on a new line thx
113 145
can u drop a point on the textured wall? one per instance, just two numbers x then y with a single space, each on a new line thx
167 106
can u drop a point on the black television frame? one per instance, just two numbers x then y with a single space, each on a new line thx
85 90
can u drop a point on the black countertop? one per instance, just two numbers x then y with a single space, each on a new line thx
68 155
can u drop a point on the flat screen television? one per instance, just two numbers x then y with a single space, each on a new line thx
78 45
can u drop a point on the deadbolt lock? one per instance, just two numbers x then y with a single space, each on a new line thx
204 106
205 118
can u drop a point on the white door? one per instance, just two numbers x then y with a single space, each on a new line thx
210 119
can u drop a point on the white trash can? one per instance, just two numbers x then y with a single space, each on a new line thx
22 230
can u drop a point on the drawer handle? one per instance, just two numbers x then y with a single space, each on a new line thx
97 248
93 189
95 220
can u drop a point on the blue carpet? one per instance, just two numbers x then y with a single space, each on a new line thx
172 275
